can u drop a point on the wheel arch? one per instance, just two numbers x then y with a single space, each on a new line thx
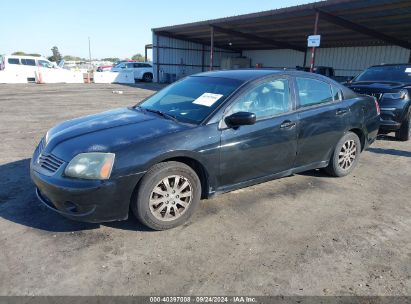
361 135
195 162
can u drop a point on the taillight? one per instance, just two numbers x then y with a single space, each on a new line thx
377 106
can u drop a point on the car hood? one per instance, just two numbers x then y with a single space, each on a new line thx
364 87
106 132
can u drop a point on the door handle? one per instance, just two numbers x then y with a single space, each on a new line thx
342 111
287 124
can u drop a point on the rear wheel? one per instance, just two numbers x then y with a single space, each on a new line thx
148 77
345 156
404 133
167 196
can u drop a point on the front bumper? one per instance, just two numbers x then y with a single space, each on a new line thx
84 200
392 115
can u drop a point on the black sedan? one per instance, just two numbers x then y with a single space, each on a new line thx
204 135
391 85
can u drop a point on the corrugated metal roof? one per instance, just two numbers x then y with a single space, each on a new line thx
292 25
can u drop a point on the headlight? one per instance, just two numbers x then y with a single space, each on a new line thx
91 165
400 95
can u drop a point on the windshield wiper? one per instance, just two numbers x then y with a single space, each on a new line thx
165 115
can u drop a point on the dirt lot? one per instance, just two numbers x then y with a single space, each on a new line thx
307 234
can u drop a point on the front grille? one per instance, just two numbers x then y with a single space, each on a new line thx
376 95
50 162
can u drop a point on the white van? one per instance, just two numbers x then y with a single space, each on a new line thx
26 66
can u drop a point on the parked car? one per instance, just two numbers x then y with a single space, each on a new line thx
142 70
326 71
391 85
25 65
204 135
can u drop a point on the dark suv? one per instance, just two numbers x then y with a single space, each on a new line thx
390 84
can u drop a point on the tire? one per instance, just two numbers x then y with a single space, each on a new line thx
157 206
148 77
345 156
404 133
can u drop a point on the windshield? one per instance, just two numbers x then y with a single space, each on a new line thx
397 73
193 98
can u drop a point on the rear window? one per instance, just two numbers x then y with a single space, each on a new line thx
13 61
28 62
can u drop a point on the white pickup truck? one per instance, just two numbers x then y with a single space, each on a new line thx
142 70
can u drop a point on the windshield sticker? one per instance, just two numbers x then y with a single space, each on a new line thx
207 99
408 70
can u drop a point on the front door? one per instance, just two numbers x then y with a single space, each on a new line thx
267 147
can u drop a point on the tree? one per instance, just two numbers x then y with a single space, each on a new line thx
71 58
138 57
56 54
20 53
112 59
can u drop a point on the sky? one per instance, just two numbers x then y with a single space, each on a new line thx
118 28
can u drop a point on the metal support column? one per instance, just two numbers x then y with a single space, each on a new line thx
317 15
202 57
211 48
158 57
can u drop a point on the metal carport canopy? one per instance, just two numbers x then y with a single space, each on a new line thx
342 23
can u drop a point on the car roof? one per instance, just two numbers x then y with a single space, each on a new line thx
246 75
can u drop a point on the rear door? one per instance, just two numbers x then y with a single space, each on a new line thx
322 120
267 147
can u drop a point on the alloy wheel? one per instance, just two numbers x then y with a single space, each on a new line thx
171 198
347 154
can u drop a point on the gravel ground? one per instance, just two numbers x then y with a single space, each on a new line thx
306 234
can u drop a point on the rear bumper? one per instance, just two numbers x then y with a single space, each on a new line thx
86 201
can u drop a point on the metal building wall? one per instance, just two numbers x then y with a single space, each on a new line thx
184 58
347 61
275 58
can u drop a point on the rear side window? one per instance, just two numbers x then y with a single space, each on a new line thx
28 62
313 91
13 61
337 95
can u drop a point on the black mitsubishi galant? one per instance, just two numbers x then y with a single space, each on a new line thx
204 135
391 85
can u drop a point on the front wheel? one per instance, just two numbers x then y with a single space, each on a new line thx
167 195
404 133
345 156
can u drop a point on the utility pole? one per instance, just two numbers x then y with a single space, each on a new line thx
89 50
313 48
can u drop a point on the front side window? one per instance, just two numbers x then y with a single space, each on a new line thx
193 98
13 61
313 92
31 62
265 100
44 64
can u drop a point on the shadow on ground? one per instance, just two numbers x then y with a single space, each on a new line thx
393 152
19 204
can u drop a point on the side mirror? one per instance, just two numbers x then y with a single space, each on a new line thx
240 119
